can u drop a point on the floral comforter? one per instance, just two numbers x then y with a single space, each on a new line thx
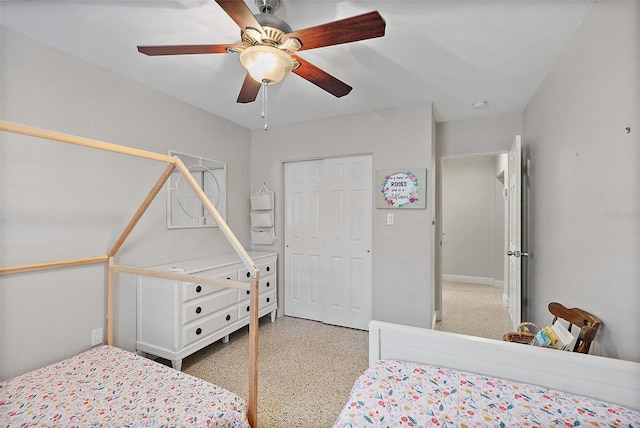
400 394
110 387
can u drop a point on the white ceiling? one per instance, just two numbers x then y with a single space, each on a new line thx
448 52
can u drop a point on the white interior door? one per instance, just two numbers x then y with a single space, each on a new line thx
303 241
348 221
514 251
328 234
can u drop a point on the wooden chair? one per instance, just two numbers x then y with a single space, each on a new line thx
587 323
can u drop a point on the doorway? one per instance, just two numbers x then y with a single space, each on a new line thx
328 240
473 242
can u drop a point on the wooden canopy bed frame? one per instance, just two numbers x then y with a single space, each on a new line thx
419 374
173 163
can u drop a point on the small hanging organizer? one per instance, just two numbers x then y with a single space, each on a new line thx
262 218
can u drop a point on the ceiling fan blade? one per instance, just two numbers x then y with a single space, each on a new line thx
240 13
183 49
321 78
249 90
361 27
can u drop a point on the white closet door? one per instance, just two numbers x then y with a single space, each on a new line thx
347 216
303 243
328 260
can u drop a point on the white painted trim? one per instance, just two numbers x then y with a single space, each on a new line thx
606 379
498 284
468 279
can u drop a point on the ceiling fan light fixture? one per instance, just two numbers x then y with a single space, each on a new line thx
266 63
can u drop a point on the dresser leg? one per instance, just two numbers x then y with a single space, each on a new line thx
273 315
225 339
176 364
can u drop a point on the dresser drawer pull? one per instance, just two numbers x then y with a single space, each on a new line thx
268 299
228 317
198 310
268 268
248 308
248 274
198 331
268 284
198 288
248 292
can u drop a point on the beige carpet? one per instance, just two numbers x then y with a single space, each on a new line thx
306 370
473 309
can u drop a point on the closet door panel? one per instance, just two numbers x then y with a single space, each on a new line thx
303 239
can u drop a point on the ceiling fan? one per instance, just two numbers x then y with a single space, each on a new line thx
269 46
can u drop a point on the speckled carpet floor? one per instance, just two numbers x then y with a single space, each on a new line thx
305 373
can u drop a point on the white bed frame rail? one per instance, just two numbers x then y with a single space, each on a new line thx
606 379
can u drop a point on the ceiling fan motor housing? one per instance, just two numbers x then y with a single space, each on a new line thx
273 27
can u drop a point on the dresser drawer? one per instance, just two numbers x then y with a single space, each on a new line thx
266 299
202 328
266 284
192 290
203 307
266 268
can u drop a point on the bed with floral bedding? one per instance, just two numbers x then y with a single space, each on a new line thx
402 394
107 386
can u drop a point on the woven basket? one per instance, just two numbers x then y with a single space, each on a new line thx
525 334
519 337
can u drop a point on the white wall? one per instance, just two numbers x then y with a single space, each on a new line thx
90 196
469 219
397 138
584 236
474 136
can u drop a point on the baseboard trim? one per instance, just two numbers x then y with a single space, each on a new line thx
498 283
469 279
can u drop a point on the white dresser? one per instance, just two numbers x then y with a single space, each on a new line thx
176 318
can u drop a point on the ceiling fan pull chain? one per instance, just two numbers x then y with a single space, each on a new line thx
265 83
